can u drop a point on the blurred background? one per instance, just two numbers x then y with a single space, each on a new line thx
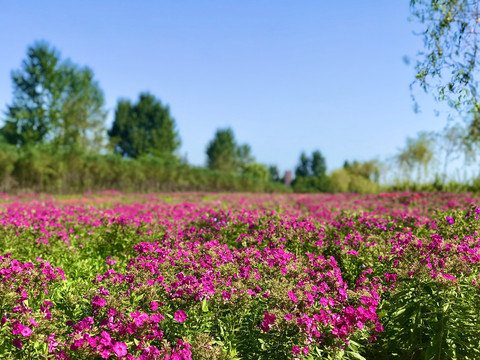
302 96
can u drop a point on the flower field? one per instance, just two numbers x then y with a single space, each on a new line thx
212 276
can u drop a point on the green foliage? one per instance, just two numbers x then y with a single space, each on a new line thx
311 166
310 174
312 184
256 171
447 65
144 128
318 164
343 180
274 173
417 155
8 157
303 168
45 169
55 102
224 154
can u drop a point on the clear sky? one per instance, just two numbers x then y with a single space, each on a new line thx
286 76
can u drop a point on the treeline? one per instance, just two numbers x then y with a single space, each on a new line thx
53 138
42 169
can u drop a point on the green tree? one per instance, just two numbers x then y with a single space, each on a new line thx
256 171
223 152
368 169
416 155
448 64
54 102
144 128
310 174
318 164
274 173
303 168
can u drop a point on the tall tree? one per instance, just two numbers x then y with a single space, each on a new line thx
54 102
144 128
303 168
223 152
417 154
318 164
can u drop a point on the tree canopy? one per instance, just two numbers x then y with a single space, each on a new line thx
311 166
54 102
144 128
223 152
447 67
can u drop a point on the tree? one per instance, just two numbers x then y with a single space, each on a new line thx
274 173
417 155
54 102
310 174
311 166
223 152
318 164
144 128
369 169
303 168
256 171
449 62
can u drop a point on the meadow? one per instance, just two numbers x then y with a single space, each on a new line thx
240 276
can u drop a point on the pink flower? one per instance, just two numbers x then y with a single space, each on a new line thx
180 316
33 322
292 296
26 331
268 320
17 343
120 349
296 350
156 318
153 306
98 301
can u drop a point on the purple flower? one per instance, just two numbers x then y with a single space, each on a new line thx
268 320
153 306
17 343
180 316
120 349
450 220
292 296
26 331
98 301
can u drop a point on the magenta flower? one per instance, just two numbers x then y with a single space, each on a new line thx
98 301
268 320
180 316
450 220
26 331
153 306
120 349
17 343
292 296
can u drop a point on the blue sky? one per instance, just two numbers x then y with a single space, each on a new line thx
286 76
